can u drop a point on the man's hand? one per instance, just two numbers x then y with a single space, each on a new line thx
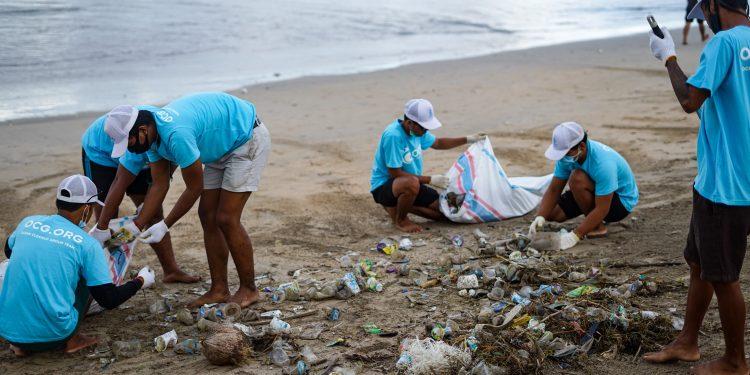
662 49
101 235
473 138
568 240
147 276
536 225
439 181
155 233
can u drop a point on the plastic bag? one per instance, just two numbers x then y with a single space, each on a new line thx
120 255
480 191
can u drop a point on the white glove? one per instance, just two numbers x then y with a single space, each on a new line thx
439 181
662 49
101 235
568 240
148 276
132 228
537 224
473 138
155 233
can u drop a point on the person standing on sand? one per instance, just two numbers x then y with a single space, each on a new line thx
716 243
688 22
54 265
397 183
602 185
114 177
224 134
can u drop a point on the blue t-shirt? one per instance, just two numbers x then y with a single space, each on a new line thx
609 171
398 150
724 134
50 255
203 126
98 147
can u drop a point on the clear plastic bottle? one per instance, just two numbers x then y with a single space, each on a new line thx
279 357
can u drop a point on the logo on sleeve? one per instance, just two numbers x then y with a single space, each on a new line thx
164 116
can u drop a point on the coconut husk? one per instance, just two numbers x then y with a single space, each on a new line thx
226 348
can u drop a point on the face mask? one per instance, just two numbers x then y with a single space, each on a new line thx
714 23
82 223
138 147
572 159
413 134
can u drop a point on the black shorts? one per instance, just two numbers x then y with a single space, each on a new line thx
384 195
690 6
569 205
103 176
717 239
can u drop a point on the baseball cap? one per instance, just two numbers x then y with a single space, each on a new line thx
420 111
564 137
697 12
117 126
78 189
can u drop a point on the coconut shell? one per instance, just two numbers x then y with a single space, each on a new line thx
226 348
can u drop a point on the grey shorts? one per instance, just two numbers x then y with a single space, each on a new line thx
240 170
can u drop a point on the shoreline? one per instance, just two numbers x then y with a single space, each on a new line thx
375 69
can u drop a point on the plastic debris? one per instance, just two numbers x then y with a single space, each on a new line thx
431 357
582 291
467 282
458 241
166 340
185 317
189 346
350 281
371 329
126 348
405 244
334 315
374 285
279 356
279 326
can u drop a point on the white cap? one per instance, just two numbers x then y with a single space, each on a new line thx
421 112
78 189
117 126
696 13
564 137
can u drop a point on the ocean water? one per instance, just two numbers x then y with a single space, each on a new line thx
68 56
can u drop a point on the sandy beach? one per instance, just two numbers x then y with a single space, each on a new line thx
314 204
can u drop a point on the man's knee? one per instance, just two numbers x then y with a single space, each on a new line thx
207 216
227 221
406 185
579 180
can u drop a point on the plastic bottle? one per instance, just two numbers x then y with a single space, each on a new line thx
277 325
278 296
279 357
374 285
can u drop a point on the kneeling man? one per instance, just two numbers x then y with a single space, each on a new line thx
602 186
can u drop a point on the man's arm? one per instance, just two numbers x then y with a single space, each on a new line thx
8 250
550 197
160 171
110 296
123 179
398 172
602 204
193 177
690 98
448 143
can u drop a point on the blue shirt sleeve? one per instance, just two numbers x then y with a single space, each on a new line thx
427 140
605 178
12 239
153 156
715 63
184 148
392 152
562 171
134 163
95 265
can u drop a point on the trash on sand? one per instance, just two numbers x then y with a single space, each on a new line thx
334 314
371 329
350 281
278 355
337 342
374 285
271 314
166 340
458 241
279 326
678 323
308 354
161 306
582 291
247 331
126 348
467 282
185 317
225 348
302 367
311 331
189 346
428 356
405 244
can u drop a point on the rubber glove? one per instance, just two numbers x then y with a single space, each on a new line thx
155 233
473 138
537 224
147 275
439 181
101 235
662 49
568 240
132 228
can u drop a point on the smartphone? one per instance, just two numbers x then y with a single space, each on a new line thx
655 26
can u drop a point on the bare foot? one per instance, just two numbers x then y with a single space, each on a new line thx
684 43
245 296
599 232
408 226
675 351
78 342
180 276
209 297
18 351
721 366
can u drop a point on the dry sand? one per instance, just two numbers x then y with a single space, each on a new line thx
314 204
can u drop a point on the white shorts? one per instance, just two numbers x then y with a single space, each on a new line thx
240 170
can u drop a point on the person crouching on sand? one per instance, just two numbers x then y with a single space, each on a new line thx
717 239
221 147
54 266
397 183
602 185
